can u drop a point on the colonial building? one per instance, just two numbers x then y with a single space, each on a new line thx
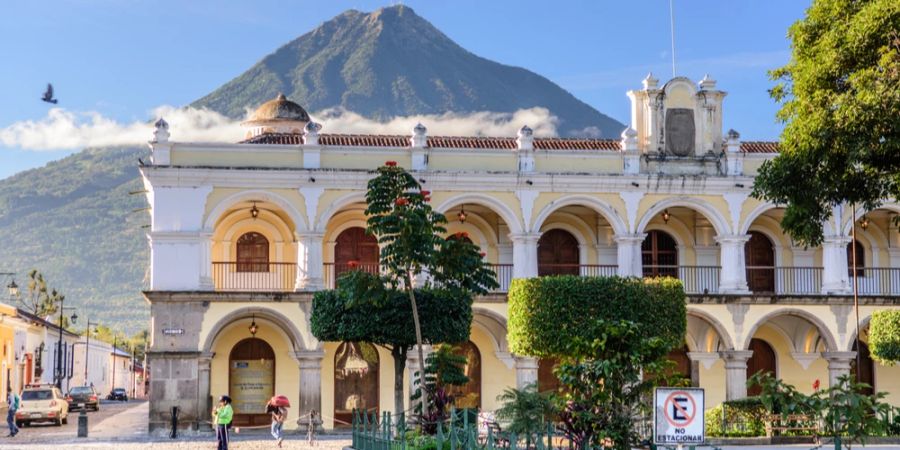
243 234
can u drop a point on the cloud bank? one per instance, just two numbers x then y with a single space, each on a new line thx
62 129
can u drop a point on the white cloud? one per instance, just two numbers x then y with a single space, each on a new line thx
61 129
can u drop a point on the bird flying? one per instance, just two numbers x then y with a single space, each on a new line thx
48 95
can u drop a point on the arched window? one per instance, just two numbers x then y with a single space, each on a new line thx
251 380
355 380
547 380
558 253
469 396
860 259
252 253
354 249
759 256
659 255
763 359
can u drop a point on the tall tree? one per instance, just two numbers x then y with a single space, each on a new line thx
411 236
41 300
840 103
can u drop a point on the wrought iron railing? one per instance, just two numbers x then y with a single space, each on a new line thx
877 280
584 270
254 276
331 271
504 273
696 279
785 280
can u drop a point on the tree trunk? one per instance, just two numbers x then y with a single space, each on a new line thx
423 399
399 354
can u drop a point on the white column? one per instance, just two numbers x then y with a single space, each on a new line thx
206 280
526 371
310 364
309 262
525 263
834 259
838 365
629 254
736 373
412 368
733 277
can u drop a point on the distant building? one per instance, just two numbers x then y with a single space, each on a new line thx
245 233
95 369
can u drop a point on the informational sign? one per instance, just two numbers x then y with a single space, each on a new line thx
251 385
678 416
173 331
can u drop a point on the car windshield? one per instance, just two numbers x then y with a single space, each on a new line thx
37 395
80 390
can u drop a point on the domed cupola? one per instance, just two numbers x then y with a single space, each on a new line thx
278 115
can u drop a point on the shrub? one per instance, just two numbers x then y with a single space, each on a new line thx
884 336
737 418
548 314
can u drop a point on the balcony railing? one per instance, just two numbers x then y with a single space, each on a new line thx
584 270
504 273
696 279
785 280
258 277
877 280
331 271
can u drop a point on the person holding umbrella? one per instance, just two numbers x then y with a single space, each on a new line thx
277 407
222 416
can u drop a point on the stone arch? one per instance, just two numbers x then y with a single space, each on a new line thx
494 326
755 213
285 325
577 230
823 330
576 233
860 211
336 206
777 246
606 210
716 325
478 228
718 221
851 336
226 203
495 205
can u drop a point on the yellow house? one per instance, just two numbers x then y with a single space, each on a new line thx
243 234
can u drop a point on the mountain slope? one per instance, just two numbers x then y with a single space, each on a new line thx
392 63
73 220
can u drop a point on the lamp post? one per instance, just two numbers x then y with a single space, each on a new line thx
115 342
58 372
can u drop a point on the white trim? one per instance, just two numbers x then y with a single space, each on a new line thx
255 194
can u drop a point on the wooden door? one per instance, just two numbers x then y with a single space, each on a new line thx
251 381
353 247
659 255
558 254
759 256
867 371
763 359
547 380
469 395
355 381
252 253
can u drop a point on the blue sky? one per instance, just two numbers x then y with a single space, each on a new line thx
123 58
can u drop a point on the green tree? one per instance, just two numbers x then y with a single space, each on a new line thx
410 234
612 336
884 336
386 321
525 411
41 300
840 103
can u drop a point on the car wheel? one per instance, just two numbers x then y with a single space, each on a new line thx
65 420
58 422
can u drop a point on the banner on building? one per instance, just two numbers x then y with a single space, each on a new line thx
252 385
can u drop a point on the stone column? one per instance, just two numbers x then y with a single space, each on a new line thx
310 364
736 373
525 263
309 262
204 403
838 365
526 371
834 259
629 254
733 278
206 276
412 368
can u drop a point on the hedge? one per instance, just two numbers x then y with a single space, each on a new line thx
445 315
737 418
884 336
546 313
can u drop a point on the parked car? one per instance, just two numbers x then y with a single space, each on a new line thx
83 397
42 404
118 394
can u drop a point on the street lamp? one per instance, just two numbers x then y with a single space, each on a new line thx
58 373
13 289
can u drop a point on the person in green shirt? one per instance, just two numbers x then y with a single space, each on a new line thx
222 416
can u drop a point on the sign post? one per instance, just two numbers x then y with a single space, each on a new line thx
678 416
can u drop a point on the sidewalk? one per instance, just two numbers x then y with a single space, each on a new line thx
127 424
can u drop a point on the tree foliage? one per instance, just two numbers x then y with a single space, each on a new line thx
40 299
612 336
840 102
884 336
444 369
526 412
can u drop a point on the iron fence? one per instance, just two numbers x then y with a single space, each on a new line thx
254 276
696 279
332 271
877 280
785 280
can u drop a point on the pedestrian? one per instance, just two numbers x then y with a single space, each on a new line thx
12 400
279 414
222 420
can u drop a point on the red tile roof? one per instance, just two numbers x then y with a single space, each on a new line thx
759 147
461 142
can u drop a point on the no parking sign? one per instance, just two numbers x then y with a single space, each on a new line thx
678 416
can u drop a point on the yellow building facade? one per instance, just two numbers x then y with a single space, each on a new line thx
243 234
